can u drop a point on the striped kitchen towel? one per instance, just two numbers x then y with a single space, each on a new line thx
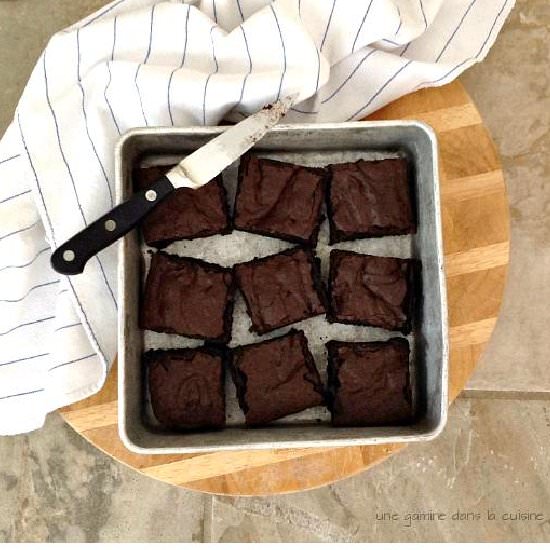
149 63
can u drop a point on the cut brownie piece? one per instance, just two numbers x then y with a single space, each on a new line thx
278 199
370 290
281 289
369 199
276 378
369 383
186 213
188 297
186 387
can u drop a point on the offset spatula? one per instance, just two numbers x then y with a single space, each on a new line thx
193 171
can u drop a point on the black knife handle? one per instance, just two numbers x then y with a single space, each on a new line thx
71 257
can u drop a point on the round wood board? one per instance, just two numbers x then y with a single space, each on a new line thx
476 235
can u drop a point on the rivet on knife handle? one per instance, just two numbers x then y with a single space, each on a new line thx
71 257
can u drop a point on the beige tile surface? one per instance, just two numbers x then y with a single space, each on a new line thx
55 487
511 89
25 27
485 461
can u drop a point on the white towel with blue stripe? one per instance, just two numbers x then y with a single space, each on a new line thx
149 63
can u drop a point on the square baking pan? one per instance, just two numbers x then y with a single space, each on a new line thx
313 145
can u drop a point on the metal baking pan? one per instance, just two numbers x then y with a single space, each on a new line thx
314 145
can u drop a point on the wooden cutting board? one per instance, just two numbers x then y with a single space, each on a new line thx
476 235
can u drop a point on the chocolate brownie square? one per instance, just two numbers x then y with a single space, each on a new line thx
189 297
186 387
280 200
281 289
369 383
369 199
186 213
370 290
276 378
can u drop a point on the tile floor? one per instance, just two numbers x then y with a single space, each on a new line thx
487 478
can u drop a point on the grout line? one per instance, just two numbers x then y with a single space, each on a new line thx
208 518
505 394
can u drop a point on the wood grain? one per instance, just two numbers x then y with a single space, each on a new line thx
476 239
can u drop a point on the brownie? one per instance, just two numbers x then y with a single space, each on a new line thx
276 378
186 213
369 199
281 289
369 383
280 200
189 297
370 290
186 387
